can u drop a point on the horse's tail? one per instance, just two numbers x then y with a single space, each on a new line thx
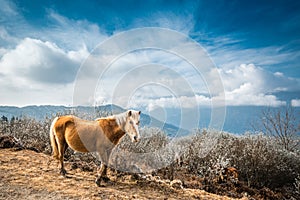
53 141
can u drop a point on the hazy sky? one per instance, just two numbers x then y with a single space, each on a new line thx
255 46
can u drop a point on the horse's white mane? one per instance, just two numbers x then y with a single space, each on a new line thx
120 118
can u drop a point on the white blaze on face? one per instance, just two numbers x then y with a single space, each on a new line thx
132 125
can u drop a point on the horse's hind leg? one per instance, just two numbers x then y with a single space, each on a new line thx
62 146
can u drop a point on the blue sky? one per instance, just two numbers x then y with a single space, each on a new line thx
255 46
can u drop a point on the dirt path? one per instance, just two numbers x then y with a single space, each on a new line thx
26 175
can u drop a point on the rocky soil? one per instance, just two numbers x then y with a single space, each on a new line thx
26 174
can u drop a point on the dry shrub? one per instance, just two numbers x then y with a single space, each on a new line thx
30 133
148 154
8 141
297 185
261 163
259 159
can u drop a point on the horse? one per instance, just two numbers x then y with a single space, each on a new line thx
100 135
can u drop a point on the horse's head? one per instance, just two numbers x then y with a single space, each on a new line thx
132 124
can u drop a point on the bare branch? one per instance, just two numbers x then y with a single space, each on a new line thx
281 124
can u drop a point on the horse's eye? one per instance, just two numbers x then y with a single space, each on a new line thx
131 122
138 123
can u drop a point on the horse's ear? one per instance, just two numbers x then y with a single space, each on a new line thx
129 113
140 112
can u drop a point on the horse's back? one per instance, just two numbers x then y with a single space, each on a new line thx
63 120
71 121
67 129
88 136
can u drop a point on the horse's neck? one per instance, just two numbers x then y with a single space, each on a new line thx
113 127
116 136
121 120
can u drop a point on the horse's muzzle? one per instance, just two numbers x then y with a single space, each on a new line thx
136 139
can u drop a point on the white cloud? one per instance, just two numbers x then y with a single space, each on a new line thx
251 85
37 72
8 9
39 65
246 84
42 62
10 24
6 40
295 102
29 94
243 85
172 102
39 62
227 53
243 96
67 33
182 23
72 34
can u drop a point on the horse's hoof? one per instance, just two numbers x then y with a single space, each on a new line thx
98 182
103 181
63 172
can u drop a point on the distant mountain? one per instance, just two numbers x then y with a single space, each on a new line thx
41 112
238 119
37 112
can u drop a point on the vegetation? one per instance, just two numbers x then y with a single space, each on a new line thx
282 125
266 168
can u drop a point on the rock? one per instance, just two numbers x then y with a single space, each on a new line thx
7 141
177 184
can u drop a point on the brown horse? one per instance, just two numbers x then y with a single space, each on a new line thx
100 136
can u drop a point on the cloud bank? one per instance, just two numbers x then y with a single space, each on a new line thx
39 65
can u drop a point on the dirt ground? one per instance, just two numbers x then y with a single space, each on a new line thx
26 174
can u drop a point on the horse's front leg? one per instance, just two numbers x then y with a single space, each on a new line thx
102 175
102 172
